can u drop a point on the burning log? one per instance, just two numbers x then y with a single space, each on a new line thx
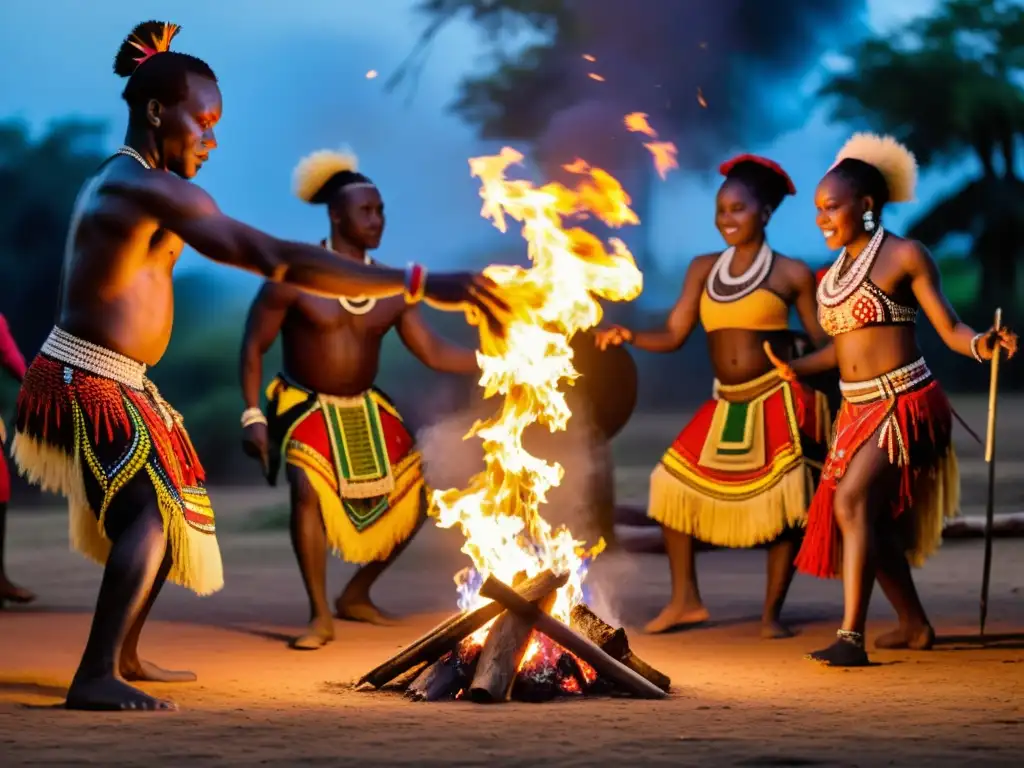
447 635
615 643
606 665
503 652
442 679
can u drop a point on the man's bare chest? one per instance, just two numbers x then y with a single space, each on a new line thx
328 316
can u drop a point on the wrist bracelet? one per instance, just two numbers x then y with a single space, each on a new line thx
974 347
415 283
252 416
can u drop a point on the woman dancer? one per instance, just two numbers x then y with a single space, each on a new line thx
891 476
742 471
13 361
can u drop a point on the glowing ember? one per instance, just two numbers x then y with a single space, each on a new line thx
700 98
664 152
595 76
371 74
499 513
588 57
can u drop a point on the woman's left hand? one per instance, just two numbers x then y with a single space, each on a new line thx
1003 337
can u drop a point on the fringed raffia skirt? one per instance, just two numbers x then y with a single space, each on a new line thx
743 469
89 422
913 420
360 460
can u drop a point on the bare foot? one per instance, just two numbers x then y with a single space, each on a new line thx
915 638
12 593
363 610
108 694
138 670
775 630
317 635
676 616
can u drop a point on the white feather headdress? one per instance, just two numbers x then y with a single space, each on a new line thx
317 168
894 161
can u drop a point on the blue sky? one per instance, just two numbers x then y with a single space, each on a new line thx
294 81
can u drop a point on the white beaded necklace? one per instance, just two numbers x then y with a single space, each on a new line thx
719 280
132 153
835 288
356 305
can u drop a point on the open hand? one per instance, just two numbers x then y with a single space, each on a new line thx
613 336
784 368
256 444
476 295
997 337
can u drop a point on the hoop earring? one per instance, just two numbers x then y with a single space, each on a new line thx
869 221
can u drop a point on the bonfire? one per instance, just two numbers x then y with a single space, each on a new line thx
523 630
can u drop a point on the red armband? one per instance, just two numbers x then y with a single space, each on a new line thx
415 283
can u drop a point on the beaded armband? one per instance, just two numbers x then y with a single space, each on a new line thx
252 416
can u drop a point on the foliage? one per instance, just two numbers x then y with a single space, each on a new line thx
656 54
948 87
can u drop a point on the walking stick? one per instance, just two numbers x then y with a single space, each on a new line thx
990 459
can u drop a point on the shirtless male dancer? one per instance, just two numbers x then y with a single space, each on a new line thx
90 424
356 481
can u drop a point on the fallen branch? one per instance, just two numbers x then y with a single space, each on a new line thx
615 643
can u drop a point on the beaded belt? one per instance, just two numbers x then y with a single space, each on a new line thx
84 355
887 385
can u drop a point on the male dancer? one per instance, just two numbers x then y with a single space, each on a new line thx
12 360
90 424
356 480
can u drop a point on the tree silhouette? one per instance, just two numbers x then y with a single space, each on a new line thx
945 87
707 74
41 177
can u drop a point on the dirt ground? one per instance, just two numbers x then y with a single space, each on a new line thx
736 700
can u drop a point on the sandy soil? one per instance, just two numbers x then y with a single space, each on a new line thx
737 700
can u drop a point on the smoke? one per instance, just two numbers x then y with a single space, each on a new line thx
450 461
711 74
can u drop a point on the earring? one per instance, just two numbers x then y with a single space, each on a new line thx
869 221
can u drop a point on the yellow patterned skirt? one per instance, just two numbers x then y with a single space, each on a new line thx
360 460
743 469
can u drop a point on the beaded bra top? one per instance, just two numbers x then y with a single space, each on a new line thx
849 301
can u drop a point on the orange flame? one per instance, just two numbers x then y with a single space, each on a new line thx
595 76
664 152
499 512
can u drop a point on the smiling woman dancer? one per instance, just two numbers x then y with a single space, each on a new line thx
891 476
742 471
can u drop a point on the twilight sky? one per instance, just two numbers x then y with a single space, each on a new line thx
294 81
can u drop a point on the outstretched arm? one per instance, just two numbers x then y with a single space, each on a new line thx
266 316
10 356
680 322
926 284
431 349
192 214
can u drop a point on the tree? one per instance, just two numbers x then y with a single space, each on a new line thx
946 88
41 177
708 75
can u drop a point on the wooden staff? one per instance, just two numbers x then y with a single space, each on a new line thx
990 459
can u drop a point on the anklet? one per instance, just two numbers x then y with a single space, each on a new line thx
853 638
